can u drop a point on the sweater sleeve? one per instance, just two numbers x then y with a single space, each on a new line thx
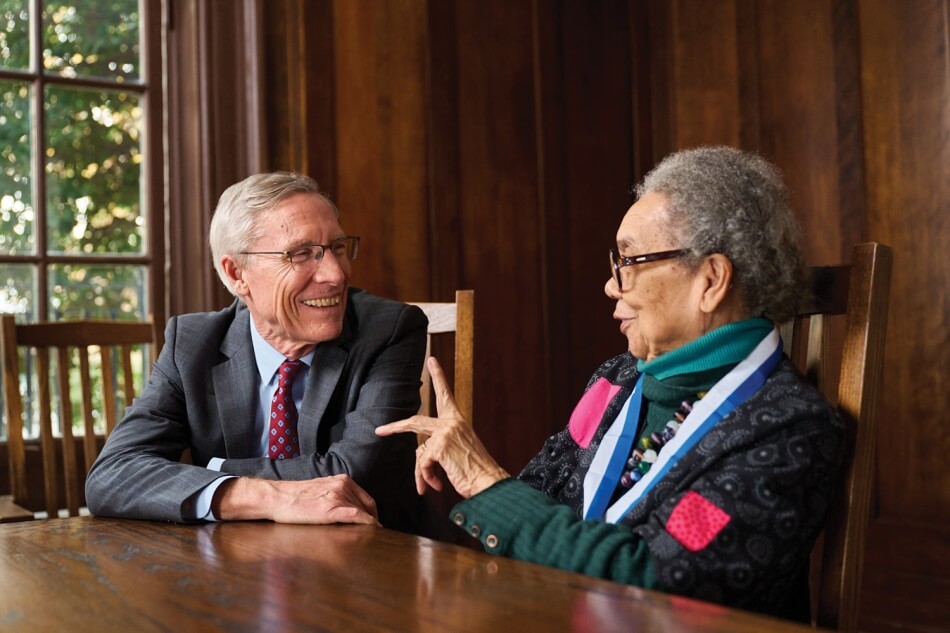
513 519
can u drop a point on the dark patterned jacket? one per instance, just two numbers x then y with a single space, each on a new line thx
733 522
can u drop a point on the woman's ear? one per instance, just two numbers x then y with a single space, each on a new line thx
715 277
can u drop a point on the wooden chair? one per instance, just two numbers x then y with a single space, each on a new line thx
446 319
93 342
859 293
452 318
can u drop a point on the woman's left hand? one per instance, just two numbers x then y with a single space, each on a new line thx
452 444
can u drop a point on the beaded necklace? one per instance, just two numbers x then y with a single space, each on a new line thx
642 457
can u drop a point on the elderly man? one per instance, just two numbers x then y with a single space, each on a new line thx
277 396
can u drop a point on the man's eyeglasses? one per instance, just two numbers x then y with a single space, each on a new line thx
343 247
618 261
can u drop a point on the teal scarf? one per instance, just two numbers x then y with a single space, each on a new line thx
689 371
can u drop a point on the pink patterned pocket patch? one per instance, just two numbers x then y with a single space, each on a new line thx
696 521
590 411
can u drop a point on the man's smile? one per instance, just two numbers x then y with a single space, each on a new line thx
325 302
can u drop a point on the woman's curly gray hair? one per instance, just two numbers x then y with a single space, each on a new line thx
238 220
723 200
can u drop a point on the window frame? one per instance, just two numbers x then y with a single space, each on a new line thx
150 89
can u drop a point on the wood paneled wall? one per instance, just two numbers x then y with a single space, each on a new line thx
905 83
215 130
491 144
483 145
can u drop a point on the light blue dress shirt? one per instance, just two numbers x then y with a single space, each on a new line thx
268 362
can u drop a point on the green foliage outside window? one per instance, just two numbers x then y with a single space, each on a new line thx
14 34
92 156
16 197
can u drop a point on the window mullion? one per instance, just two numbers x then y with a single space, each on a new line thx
41 302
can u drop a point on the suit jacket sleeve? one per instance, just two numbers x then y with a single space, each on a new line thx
138 474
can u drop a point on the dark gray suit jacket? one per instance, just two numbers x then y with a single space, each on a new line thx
202 396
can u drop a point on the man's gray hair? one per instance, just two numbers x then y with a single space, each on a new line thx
236 223
723 200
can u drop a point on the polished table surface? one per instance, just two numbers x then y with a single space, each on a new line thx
92 574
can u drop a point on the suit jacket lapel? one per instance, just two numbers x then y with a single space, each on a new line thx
236 385
329 359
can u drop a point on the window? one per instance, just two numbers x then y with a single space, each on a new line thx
81 195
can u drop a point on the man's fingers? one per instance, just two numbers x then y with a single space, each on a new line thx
351 514
364 500
344 491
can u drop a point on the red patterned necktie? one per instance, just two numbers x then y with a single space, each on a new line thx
282 433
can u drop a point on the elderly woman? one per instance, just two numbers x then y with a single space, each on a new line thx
700 462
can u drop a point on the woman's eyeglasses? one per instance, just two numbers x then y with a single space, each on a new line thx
618 261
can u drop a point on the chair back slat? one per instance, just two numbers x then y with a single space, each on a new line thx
448 318
80 347
108 388
128 388
14 408
818 352
88 420
859 292
66 413
862 363
47 441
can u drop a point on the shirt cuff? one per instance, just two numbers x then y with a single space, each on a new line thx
215 464
203 499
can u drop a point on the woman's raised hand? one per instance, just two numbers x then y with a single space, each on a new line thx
451 444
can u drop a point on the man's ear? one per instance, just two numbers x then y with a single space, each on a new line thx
715 278
235 275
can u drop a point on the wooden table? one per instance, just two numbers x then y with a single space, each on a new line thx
92 574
